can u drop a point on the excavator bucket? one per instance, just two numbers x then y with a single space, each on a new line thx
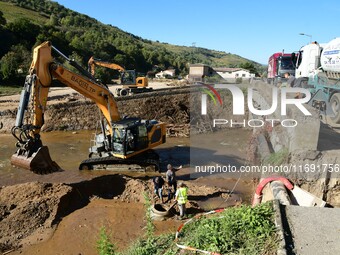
39 162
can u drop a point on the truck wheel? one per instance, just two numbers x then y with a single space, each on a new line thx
124 92
335 104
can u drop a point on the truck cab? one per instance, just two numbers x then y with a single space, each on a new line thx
308 60
279 64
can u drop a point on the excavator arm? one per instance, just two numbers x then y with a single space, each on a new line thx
31 154
92 63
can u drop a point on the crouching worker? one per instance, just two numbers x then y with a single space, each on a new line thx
158 183
181 197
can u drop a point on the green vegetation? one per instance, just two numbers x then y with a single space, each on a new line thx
104 246
6 90
156 245
242 230
25 24
12 12
278 158
150 227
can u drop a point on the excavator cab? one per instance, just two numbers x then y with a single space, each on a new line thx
130 137
128 77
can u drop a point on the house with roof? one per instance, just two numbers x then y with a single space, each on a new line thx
232 74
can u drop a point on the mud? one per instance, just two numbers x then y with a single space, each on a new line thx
29 212
71 206
62 213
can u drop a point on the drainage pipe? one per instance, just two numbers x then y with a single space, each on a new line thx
258 192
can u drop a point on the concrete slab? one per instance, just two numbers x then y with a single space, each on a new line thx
312 230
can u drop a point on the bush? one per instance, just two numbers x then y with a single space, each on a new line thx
243 230
104 245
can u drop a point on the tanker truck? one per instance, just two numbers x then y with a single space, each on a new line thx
318 70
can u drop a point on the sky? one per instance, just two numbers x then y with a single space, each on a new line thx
253 29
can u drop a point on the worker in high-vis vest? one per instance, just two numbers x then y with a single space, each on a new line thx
181 197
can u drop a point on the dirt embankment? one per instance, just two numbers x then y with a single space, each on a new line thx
74 112
29 212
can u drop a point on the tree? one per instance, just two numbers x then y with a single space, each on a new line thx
2 19
249 66
25 31
15 62
53 20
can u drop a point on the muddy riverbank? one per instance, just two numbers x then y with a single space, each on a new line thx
70 207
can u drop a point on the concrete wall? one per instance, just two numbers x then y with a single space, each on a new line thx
304 136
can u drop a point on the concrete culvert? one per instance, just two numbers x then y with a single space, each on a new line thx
159 212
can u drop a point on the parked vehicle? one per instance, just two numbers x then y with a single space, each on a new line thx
279 64
318 70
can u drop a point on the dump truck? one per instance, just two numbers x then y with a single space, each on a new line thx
121 140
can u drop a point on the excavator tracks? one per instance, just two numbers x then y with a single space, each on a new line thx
161 92
145 162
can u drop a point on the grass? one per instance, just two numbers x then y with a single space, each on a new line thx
12 12
104 245
278 158
241 230
6 90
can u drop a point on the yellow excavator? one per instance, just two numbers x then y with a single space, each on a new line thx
121 141
131 83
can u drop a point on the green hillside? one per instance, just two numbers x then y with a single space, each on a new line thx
12 12
27 23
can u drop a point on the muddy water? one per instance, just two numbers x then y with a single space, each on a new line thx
68 149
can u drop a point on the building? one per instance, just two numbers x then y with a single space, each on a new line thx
170 73
198 71
232 74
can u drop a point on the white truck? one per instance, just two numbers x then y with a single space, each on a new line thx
318 69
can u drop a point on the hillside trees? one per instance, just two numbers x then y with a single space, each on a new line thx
2 19
15 62
70 32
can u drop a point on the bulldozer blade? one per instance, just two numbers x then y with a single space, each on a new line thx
40 162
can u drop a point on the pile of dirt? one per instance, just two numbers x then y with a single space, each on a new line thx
24 208
134 191
77 113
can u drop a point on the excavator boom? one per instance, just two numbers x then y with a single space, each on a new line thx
93 62
131 84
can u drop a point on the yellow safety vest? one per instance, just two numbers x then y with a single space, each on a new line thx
182 197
